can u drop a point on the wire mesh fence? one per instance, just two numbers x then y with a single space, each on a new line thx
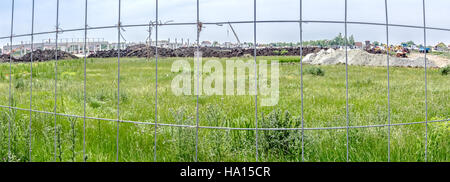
157 23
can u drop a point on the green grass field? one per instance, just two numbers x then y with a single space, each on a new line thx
324 106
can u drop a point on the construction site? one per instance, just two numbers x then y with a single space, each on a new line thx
224 81
368 56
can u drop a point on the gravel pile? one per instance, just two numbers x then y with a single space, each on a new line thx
362 58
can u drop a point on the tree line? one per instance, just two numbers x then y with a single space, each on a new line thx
339 40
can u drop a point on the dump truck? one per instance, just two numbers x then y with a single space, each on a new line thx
422 50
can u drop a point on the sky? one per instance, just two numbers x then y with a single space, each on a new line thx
105 13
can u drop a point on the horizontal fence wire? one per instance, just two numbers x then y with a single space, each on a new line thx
231 22
224 128
120 26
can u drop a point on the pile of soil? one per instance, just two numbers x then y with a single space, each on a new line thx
363 58
39 56
46 55
5 58
142 50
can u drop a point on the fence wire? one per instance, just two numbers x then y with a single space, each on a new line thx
199 24
388 82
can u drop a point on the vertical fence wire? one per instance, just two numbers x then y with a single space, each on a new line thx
425 70
256 78
85 60
301 76
56 71
56 62
388 81
199 24
156 80
118 85
199 27
10 80
346 78
31 77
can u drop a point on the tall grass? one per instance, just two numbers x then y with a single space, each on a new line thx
324 106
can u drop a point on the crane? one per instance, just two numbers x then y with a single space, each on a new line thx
234 32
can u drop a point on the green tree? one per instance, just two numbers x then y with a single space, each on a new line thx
215 43
338 40
409 43
376 43
351 40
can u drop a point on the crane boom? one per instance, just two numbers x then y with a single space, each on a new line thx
235 35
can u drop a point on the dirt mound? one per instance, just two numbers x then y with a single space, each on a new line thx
142 50
5 58
46 55
362 58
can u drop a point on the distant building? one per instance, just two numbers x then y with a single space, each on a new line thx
367 44
441 47
358 45
74 46
206 43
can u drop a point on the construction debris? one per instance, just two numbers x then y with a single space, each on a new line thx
39 56
143 50
5 58
46 55
313 55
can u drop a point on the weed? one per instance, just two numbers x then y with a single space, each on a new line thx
214 116
185 136
280 142
316 71
73 137
59 142
283 52
94 103
20 84
324 103
444 71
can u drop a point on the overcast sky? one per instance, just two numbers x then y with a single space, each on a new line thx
105 12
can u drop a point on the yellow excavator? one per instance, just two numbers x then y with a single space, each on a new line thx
401 51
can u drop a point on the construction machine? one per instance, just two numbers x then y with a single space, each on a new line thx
401 51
